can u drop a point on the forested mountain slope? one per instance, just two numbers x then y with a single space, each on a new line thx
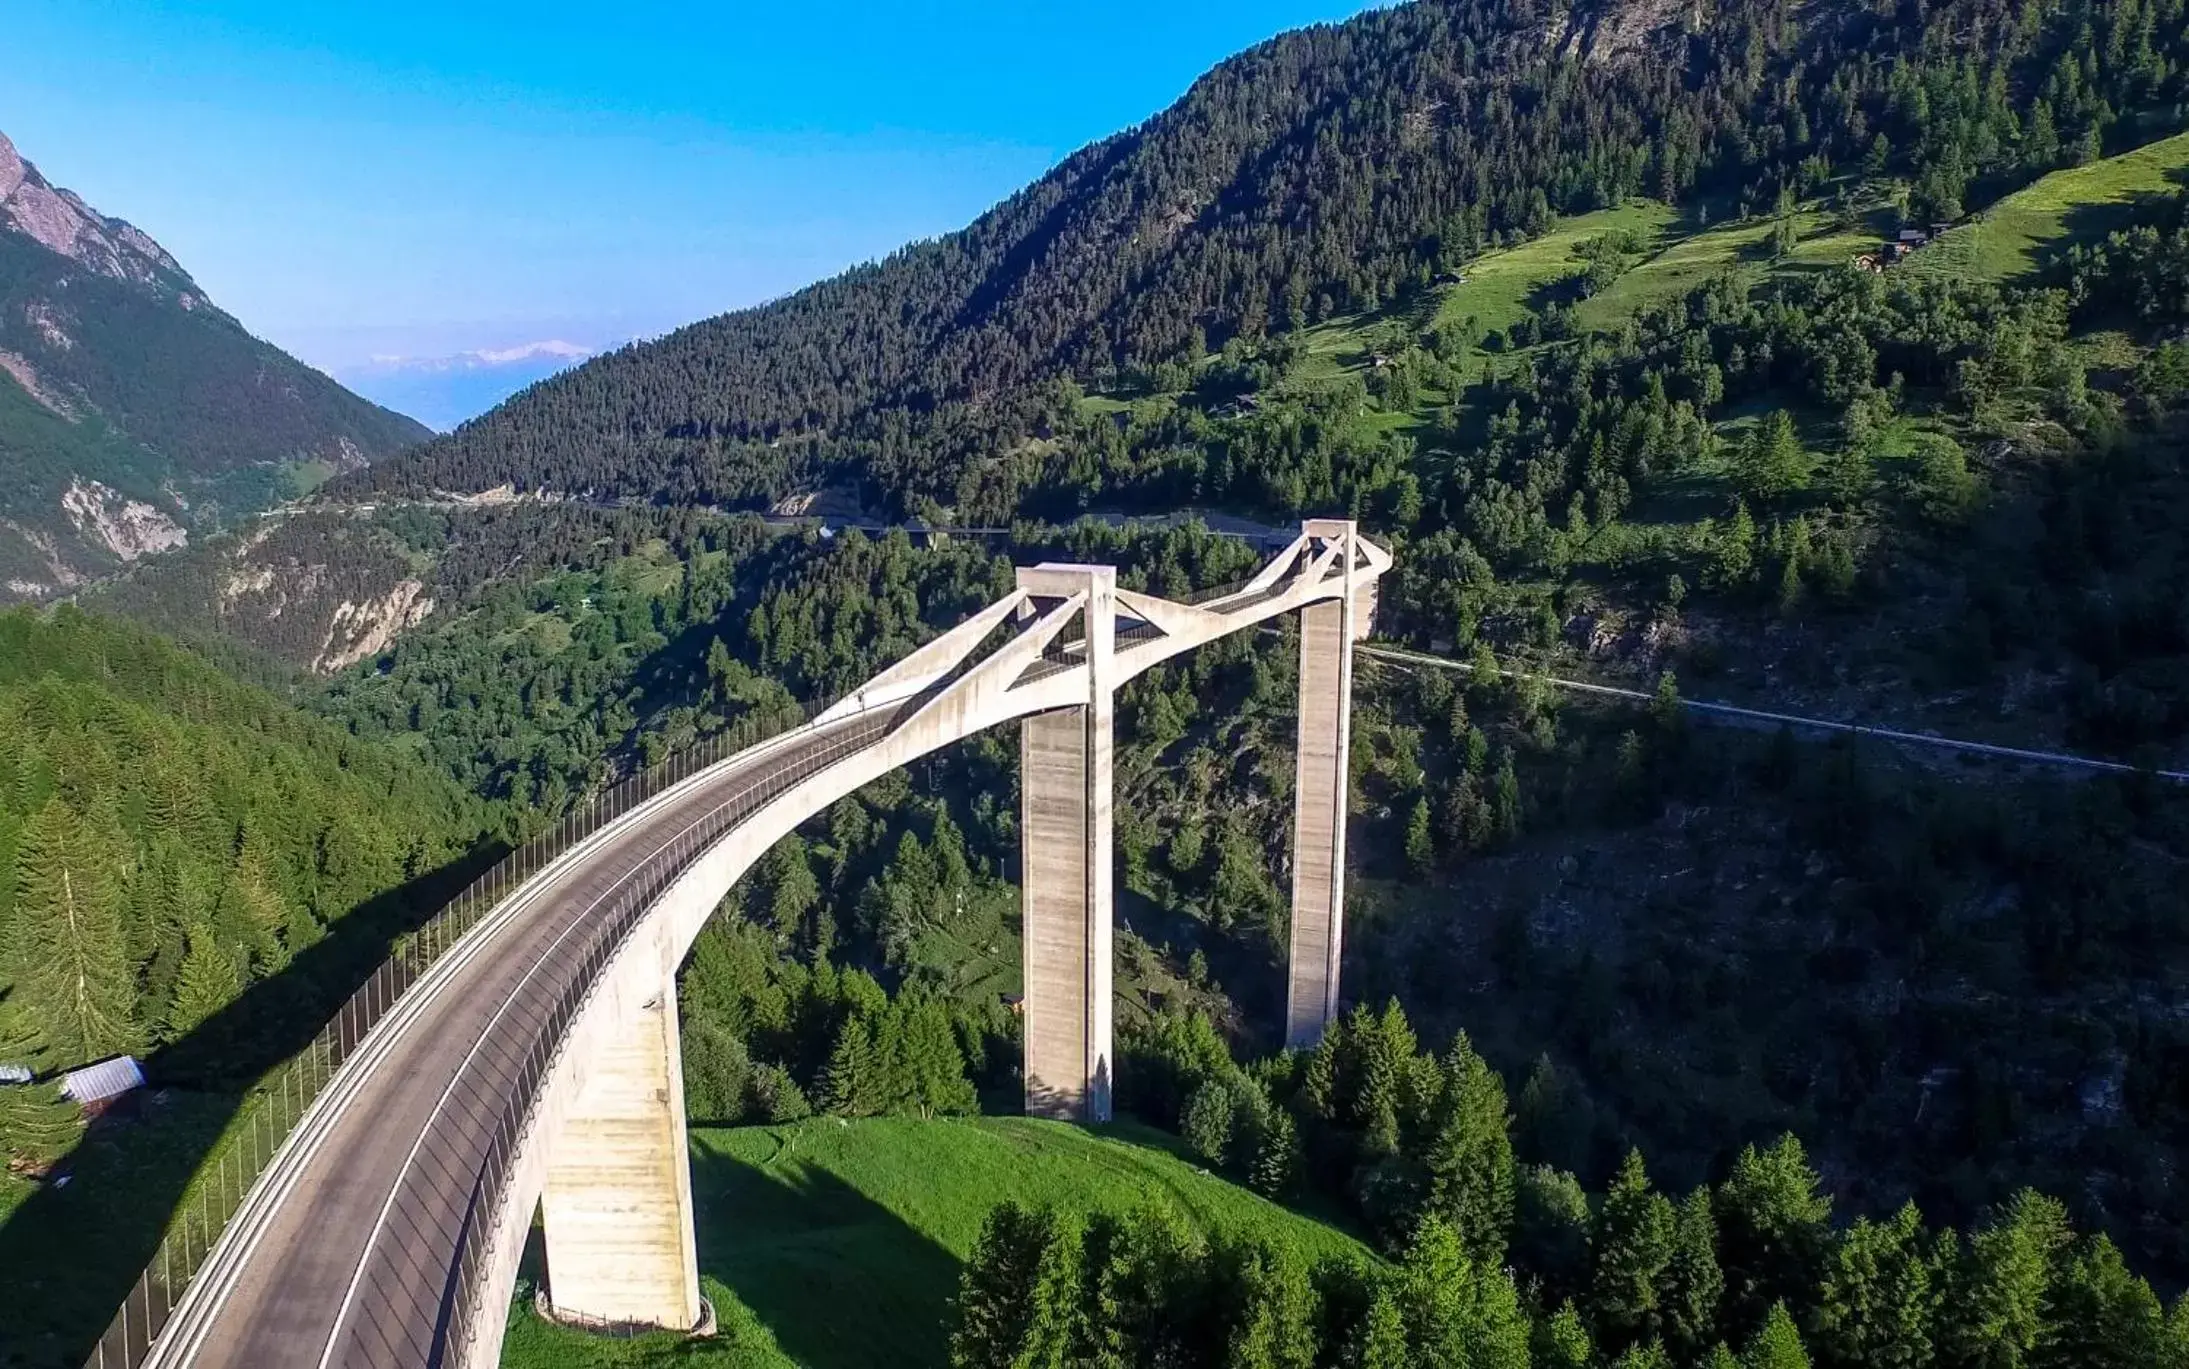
1326 171
1565 306
169 837
132 410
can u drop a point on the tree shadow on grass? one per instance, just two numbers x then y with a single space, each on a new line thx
71 1250
2092 222
841 1281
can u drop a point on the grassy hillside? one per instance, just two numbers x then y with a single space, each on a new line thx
2010 240
836 1244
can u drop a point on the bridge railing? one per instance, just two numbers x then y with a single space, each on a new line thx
278 1102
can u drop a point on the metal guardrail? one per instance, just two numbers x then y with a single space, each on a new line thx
279 1103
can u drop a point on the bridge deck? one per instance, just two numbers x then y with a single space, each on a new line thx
347 1253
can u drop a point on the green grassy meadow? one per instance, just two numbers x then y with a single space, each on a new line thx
836 1244
1498 285
2009 239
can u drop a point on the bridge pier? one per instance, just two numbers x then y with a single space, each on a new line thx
1065 857
1327 630
618 1200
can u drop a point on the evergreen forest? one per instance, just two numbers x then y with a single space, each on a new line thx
1670 1043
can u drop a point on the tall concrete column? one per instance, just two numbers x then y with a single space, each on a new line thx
618 1202
1319 799
1065 867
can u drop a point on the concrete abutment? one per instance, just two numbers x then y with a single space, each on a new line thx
618 1200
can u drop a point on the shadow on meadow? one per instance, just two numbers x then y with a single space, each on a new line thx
800 1266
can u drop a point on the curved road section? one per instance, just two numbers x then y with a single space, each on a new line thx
386 1230
347 1254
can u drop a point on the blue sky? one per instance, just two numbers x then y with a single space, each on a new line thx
417 179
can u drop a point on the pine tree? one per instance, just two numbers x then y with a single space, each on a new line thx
1475 754
1992 1316
1772 1232
1737 548
301 931
1562 1341
1777 1344
1650 1354
1379 1342
71 961
1057 1308
1551 1228
1498 1329
36 1122
1505 802
1017 1302
1876 1303
1687 1316
853 1084
793 891
931 1070
1469 1156
1207 1122
1436 1295
1771 464
1385 1048
1633 1246
208 983
1421 850
1269 1310
250 916
1138 1271
1275 1171
2100 1316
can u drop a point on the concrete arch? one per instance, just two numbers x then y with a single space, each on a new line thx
388 1228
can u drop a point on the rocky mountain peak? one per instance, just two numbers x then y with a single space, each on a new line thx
61 222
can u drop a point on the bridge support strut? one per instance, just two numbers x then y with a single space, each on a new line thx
1065 852
1327 630
618 1201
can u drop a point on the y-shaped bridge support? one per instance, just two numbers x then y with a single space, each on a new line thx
1065 874
1327 630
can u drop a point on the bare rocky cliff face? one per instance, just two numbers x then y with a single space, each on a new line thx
61 222
128 528
134 414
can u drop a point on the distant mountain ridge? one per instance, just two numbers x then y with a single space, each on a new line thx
445 391
133 411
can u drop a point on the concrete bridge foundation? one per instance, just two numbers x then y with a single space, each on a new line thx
618 1200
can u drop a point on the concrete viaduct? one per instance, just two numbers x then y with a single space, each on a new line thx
535 1065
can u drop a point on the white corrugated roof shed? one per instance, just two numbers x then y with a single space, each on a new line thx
107 1079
